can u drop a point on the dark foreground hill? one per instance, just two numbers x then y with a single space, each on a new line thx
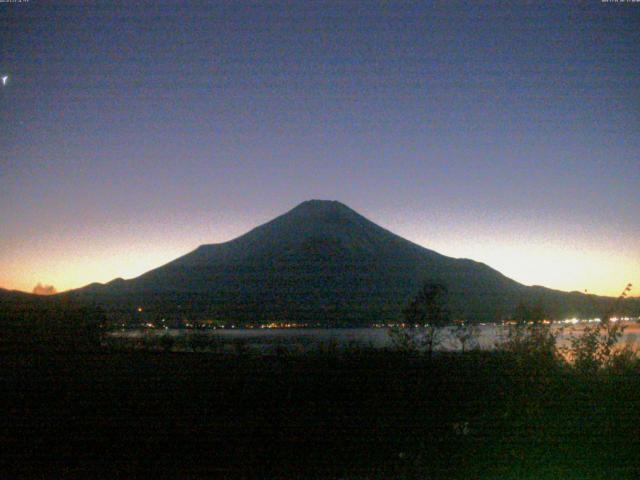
319 263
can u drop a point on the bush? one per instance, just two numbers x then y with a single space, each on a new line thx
467 334
595 349
167 342
624 361
530 340
423 316
50 326
240 346
202 341
329 346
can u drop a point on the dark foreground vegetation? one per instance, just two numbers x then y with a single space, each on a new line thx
355 414
81 404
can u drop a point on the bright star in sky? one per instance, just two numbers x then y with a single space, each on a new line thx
4 80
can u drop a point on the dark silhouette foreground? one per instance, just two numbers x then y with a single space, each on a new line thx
357 414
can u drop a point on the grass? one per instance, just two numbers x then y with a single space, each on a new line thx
359 414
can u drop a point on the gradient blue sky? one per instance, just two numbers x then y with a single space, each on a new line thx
507 133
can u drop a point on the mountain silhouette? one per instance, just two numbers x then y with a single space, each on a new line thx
320 263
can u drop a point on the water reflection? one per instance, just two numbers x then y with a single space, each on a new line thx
307 339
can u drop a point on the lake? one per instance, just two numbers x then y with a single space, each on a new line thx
267 340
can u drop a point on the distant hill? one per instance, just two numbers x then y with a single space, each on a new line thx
319 263
11 296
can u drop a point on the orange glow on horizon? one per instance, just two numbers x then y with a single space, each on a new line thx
561 270
563 263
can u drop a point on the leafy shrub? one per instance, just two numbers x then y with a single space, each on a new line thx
591 350
531 341
624 361
423 316
595 348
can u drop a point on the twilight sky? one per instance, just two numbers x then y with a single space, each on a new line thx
132 132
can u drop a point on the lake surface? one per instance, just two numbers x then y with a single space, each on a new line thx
307 339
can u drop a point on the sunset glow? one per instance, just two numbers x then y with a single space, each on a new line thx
564 262
515 145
